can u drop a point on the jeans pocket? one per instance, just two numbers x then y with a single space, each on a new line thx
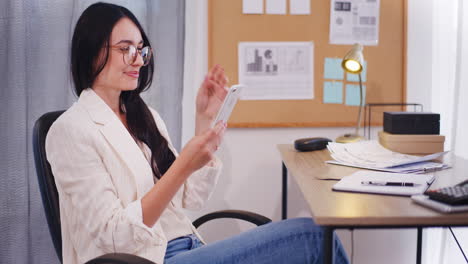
196 242
177 246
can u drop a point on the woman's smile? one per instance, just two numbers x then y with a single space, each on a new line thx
133 74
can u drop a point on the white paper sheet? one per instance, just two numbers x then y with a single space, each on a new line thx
276 70
299 7
414 168
252 6
277 7
354 21
371 155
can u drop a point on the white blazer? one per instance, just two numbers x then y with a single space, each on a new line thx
101 175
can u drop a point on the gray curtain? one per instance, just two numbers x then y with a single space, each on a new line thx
34 79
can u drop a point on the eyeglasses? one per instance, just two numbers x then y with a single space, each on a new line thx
131 52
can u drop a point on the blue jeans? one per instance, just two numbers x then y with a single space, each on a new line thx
296 240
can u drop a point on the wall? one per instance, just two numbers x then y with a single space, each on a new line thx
251 178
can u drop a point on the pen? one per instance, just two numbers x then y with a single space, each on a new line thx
382 183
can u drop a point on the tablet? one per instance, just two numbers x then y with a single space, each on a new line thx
438 206
228 105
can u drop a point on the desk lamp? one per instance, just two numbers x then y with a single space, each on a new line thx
352 63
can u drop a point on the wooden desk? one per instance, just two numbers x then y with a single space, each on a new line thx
333 210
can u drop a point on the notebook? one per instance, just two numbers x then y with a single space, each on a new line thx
354 183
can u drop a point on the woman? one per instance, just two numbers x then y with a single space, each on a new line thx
120 181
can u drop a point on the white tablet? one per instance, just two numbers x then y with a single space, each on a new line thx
229 102
438 206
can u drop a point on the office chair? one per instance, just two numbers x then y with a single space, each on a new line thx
50 199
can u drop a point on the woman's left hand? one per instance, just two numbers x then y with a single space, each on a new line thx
210 97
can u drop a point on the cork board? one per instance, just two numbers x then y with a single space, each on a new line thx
385 82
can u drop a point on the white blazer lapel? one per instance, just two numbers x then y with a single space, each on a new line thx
119 138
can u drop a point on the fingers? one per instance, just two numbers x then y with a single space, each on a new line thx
215 135
210 84
221 78
218 76
220 128
200 149
221 135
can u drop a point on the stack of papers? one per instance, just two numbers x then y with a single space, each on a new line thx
371 155
356 182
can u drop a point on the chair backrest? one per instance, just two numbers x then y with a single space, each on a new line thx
50 198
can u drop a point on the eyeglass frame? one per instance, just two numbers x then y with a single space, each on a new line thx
138 51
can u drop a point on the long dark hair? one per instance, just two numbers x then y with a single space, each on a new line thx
91 37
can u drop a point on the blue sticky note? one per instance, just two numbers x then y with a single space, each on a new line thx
355 78
353 94
332 69
332 92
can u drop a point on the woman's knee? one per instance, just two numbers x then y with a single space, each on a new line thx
298 226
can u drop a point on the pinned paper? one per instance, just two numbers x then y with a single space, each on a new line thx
332 92
299 7
333 69
353 94
252 6
277 7
276 70
355 78
354 21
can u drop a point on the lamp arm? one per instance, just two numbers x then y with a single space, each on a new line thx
361 103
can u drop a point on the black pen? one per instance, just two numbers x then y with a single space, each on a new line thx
383 183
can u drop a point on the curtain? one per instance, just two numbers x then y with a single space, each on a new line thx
35 78
448 95
195 61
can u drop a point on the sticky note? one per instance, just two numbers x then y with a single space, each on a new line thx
277 7
355 78
252 6
299 7
332 92
353 95
332 69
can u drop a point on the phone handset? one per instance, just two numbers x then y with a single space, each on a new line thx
229 102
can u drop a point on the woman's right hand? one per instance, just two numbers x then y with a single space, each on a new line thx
200 149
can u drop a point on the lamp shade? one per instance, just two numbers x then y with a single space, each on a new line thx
353 60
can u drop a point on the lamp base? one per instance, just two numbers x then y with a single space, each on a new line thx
349 138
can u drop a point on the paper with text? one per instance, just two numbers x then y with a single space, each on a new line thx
370 154
354 21
276 70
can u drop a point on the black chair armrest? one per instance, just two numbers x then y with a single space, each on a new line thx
122 258
236 214
119 258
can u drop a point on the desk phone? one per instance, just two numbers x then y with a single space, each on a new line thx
453 195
